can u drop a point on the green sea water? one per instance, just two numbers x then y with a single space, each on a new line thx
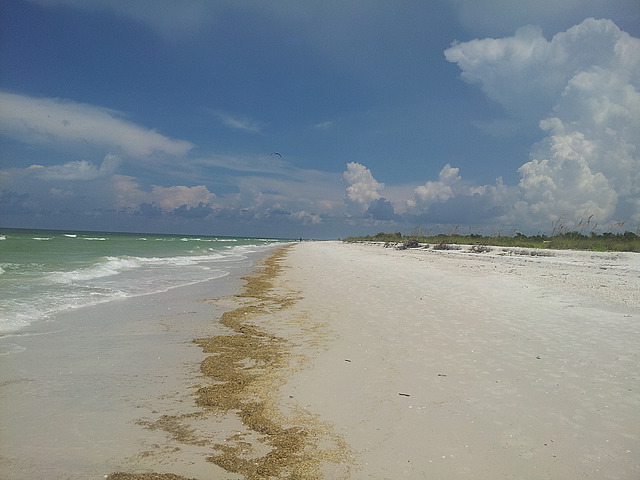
43 272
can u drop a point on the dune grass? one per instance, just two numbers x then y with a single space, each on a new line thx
604 242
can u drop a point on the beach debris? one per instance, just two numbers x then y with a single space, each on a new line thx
447 246
404 394
480 248
244 365
145 476
408 244
347 360
442 374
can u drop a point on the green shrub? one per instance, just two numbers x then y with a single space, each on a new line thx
561 240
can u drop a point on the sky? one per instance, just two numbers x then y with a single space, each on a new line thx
320 119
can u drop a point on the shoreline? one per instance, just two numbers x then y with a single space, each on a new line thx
92 390
246 367
249 366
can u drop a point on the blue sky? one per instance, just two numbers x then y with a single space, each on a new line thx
164 116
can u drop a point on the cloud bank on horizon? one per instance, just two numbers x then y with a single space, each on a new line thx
582 86
579 89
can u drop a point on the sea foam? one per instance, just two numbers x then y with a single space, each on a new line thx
42 274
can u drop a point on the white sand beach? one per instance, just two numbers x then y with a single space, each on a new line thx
449 364
386 364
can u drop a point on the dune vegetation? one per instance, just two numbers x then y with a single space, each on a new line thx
569 240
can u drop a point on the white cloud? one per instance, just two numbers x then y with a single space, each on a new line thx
129 195
526 73
362 188
170 198
58 123
306 218
448 199
437 192
79 170
73 186
583 87
82 187
562 182
452 200
238 122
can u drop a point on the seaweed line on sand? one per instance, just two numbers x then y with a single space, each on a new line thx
246 367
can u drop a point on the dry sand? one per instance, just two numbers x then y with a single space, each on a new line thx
343 361
449 364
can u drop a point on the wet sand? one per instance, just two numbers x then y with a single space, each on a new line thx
349 361
98 389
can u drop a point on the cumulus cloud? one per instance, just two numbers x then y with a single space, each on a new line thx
450 199
199 211
130 196
364 195
306 218
439 191
170 198
259 200
582 87
73 186
362 188
79 170
526 73
84 188
58 123
563 179
485 205
286 196
381 209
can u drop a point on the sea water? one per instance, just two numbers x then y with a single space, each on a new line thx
43 272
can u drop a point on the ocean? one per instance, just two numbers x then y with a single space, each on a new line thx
44 272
